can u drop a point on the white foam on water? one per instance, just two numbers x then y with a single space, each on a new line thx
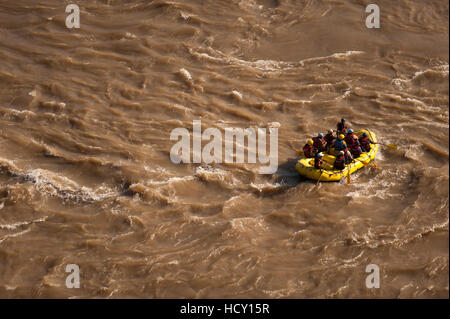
186 75
246 224
22 112
181 108
9 165
265 186
440 69
63 187
346 94
274 124
2 239
297 101
231 201
156 169
216 174
377 187
20 224
265 65
170 180
237 95
338 55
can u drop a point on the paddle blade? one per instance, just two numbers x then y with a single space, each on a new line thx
299 152
367 162
319 179
392 146
348 176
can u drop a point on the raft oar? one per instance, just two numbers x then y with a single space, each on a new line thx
299 152
348 169
374 164
368 162
391 146
365 161
321 173
348 174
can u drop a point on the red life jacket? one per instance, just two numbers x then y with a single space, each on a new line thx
356 150
350 139
329 138
318 162
342 127
348 156
339 163
308 150
319 143
365 143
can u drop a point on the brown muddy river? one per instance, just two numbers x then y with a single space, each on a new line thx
86 175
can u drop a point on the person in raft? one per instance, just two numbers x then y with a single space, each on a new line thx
319 142
340 161
309 150
339 144
356 149
342 127
365 142
348 155
318 161
329 139
350 138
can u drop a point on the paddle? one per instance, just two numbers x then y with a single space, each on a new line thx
321 173
348 168
368 162
374 164
391 146
299 152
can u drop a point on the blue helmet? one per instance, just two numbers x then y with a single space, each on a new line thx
364 134
342 120
320 135
350 131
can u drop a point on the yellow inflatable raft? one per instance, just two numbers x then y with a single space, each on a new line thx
305 166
